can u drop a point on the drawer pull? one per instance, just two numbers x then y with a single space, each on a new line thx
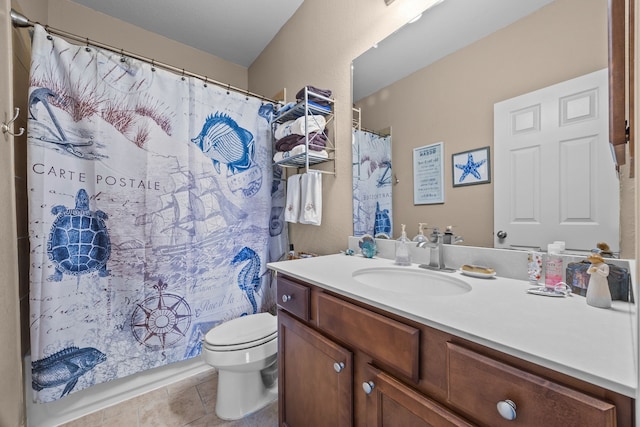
286 298
338 366
507 409
368 386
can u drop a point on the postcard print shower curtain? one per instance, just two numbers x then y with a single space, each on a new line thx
149 214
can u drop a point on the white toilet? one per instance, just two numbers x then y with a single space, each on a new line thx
244 352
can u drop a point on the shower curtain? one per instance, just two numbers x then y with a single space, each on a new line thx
372 189
150 214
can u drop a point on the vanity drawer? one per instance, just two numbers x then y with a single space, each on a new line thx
476 383
293 297
387 341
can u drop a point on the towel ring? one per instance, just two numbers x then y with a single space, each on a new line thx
5 126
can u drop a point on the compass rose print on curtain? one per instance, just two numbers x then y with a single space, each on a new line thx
146 191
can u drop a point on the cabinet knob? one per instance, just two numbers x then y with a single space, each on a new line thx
286 298
338 366
507 409
368 386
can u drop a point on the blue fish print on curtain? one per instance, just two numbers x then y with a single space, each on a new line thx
64 367
223 141
150 214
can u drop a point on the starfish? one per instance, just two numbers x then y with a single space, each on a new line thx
470 168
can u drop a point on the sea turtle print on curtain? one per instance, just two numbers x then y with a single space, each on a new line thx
150 214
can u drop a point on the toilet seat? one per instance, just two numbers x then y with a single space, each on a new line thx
242 332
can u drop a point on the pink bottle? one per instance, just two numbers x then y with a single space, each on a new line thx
553 266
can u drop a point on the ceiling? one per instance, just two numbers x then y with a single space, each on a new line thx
443 29
234 30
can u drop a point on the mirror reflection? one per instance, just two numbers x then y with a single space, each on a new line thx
462 59
372 181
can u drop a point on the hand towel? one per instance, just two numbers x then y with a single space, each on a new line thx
311 198
296 151
292 210
314 123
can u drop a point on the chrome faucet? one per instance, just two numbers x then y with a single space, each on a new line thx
436 253
449 238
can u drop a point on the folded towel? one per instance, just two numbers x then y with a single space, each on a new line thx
292 208
311 198
317 142
296 151
315 123
323 92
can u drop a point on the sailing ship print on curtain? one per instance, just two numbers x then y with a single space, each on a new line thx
149 213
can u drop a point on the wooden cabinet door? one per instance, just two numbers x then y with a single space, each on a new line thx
390 403
315 377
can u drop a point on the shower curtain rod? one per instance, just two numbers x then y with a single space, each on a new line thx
20 21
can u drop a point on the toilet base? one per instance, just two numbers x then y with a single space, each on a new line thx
242 393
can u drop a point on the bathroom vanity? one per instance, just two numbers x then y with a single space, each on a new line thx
352 352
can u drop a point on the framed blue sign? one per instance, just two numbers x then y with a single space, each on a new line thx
428 174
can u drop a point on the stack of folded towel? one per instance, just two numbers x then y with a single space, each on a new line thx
313 99
304 198
291 141
290 136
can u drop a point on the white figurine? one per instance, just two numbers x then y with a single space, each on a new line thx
598 294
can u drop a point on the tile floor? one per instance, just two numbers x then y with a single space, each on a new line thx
187 403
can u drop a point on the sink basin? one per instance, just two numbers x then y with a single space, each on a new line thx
411 282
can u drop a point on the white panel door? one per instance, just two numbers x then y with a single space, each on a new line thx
554 176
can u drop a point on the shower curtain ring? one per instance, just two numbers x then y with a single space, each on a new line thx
183 79
87 48
122 59
205 81
228 89
153 68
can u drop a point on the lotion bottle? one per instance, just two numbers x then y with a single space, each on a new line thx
553 266
402 249
420 237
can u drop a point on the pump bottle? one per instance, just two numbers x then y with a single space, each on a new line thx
402 249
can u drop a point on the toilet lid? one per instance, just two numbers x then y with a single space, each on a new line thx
243 330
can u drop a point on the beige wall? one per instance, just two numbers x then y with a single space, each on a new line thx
452 101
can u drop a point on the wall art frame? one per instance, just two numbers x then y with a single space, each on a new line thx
471 167
428 174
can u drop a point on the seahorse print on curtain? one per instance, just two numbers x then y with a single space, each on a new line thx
150 214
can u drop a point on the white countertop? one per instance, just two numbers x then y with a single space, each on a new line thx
564 334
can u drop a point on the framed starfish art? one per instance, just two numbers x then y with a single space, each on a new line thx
471 167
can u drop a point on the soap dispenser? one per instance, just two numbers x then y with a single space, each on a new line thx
420 237
402 249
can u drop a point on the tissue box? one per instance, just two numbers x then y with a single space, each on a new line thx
619 280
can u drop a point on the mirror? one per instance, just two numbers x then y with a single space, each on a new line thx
463 58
